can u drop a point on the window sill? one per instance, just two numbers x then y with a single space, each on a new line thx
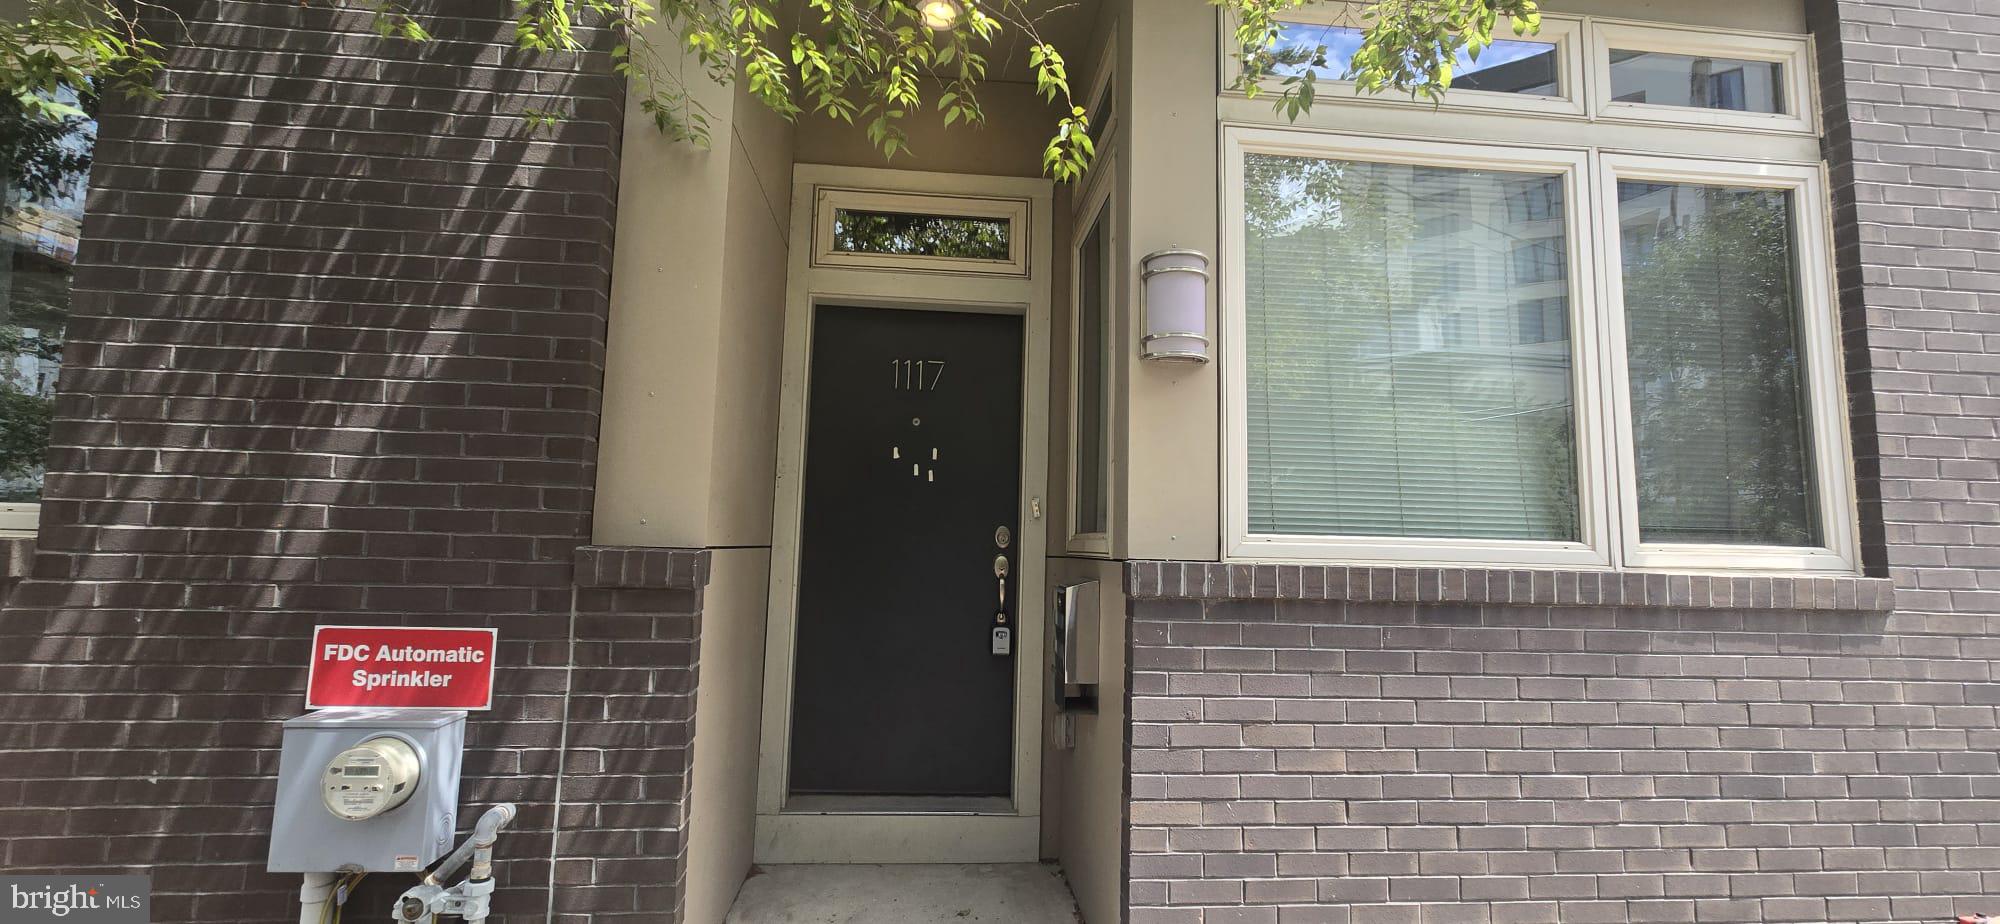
1170 580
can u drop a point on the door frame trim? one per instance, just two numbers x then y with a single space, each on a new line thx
916 837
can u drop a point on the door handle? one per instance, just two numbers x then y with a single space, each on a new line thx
1003 636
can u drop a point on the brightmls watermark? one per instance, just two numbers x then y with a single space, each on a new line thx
76 899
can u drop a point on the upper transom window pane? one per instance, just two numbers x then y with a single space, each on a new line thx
1661 78
916 235
1524 67
1409 356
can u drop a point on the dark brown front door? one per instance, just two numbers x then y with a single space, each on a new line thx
911 490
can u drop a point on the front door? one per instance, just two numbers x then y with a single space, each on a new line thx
911 494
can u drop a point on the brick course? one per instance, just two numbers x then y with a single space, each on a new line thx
1324 761
337 356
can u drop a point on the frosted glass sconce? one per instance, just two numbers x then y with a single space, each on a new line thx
1174 287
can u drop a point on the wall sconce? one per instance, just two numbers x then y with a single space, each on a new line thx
1175 302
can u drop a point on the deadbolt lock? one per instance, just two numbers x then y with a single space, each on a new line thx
1003 536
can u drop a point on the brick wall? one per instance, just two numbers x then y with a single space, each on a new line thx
1303 761
1326 760
622 844
337 357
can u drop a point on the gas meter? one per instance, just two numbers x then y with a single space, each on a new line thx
368 790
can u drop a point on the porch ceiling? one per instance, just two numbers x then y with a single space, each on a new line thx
1067 24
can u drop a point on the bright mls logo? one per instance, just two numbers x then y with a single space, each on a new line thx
75 899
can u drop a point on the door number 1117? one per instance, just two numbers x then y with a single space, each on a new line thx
916 374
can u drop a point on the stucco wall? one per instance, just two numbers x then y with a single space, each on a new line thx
728 718
690 418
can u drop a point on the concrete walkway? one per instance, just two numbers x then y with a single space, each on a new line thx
1014 893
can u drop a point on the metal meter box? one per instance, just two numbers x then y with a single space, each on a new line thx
372 790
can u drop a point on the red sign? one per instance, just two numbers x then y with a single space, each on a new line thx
391 667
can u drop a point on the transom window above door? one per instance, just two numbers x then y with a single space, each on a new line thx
863 229
1480 354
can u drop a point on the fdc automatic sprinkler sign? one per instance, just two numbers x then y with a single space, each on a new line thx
392 667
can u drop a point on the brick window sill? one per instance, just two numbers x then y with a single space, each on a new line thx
1171 580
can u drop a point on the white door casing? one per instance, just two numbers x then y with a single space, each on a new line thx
929 830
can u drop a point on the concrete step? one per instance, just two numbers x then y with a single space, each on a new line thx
1012 893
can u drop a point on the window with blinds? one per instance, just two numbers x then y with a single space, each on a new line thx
1440 355
1719 410
1407 352
1605 339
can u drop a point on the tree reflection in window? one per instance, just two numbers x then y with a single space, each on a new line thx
41 213
905 234
1391 390
1712 314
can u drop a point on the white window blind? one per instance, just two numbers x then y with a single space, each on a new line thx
1408 354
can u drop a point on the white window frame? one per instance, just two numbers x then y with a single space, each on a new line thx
1566 33
1792 53
1094 205
1012 211
1593 507
1819 336
1607 493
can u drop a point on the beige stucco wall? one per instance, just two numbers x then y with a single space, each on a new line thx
1009 143
1084 786
690 416
1168 156
656 440
749 347
1089 827
728 712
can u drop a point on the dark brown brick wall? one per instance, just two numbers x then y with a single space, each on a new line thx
623 839
337 357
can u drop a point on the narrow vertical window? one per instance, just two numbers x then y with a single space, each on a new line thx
41 217
1092 512
1719 410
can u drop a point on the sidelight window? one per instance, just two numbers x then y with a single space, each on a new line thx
1091 297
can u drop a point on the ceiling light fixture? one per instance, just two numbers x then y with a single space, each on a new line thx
940 15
